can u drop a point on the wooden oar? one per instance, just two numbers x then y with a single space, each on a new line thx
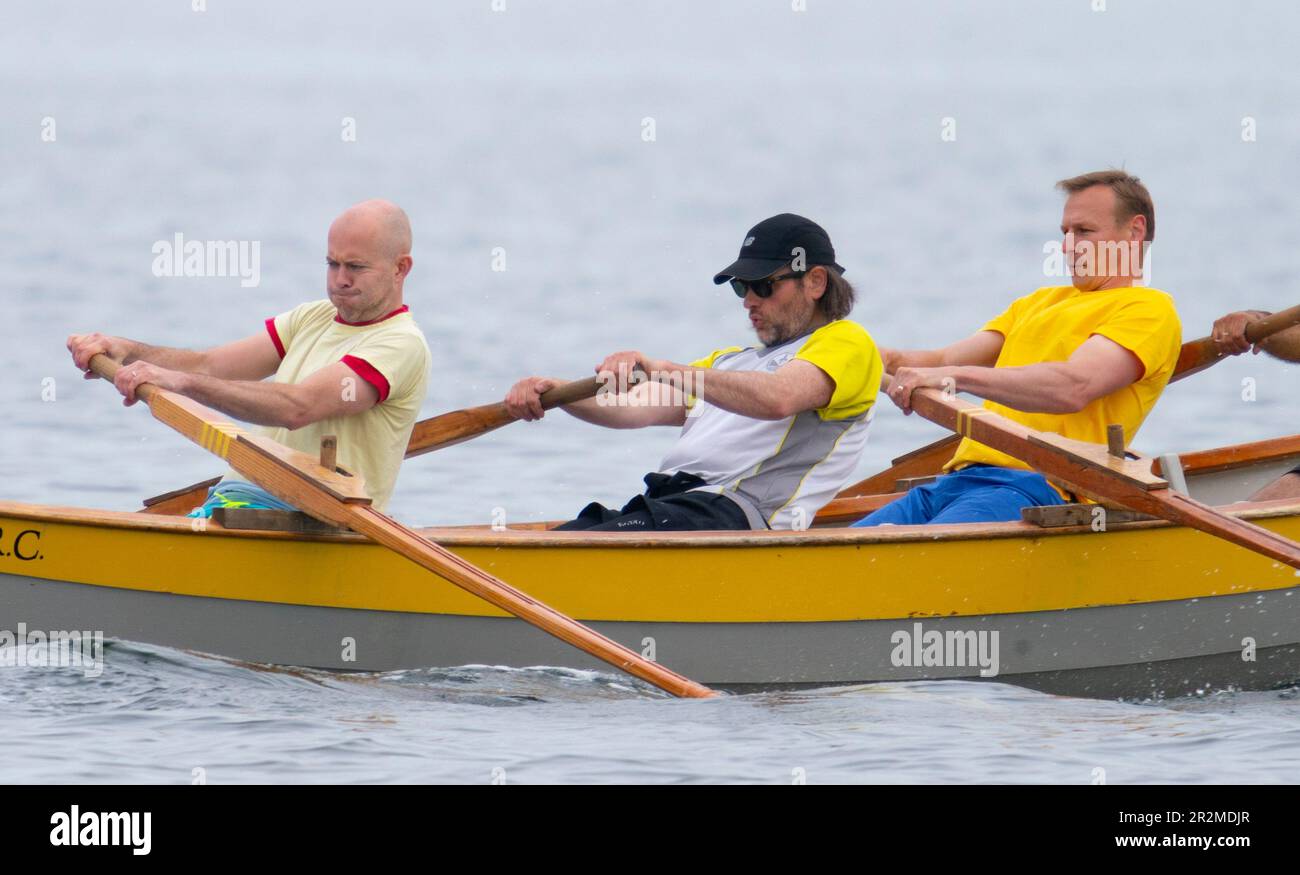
461 425
340 500
1195 356
1090 469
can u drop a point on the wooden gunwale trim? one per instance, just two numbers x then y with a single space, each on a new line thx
1237 455
928 459
931 458
153 502
847 510
483 536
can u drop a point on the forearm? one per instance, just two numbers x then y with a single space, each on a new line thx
1284 345
642 405
754 394
912 358
187 360
275 404
612 414
1047 387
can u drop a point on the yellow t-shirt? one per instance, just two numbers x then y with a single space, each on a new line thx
389 353
1050 324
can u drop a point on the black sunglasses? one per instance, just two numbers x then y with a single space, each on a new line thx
764 287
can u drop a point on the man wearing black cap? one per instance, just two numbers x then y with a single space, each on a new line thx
769 433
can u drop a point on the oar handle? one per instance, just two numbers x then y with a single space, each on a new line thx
108 368
1197 355
567 393
1269 325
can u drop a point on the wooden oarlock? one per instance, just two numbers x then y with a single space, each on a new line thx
1115 440
329 451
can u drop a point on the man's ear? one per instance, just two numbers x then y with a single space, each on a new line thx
404 265
1137 228
815 282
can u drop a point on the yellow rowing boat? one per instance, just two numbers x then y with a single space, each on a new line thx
1136 608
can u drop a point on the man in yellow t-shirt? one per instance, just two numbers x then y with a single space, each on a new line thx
355 365
1066 359
769 433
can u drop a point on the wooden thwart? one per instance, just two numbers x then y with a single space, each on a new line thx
258 519
1061 515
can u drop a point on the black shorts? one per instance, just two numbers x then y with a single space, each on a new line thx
667 505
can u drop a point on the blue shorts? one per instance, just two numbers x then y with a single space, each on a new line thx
975 494
237 493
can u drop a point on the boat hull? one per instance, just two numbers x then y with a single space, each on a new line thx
1147 610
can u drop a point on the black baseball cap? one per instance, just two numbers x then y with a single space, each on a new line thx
772 243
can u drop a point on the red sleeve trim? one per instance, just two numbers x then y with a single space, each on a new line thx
367 372
275 336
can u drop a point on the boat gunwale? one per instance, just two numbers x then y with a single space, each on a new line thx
485 536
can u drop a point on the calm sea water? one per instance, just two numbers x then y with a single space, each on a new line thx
524 132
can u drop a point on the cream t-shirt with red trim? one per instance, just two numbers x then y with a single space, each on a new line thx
389 353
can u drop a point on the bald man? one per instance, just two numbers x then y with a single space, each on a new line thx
355 365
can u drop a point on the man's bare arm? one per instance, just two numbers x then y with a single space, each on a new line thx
645 404
253 358
794 387
1229 332
1098 367
331 392
981 348
1284 345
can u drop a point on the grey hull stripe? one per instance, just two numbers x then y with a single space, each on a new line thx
1142 649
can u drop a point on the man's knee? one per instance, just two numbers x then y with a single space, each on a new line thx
909 510
993 505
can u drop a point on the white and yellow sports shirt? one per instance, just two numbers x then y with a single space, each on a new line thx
781 472
389 353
